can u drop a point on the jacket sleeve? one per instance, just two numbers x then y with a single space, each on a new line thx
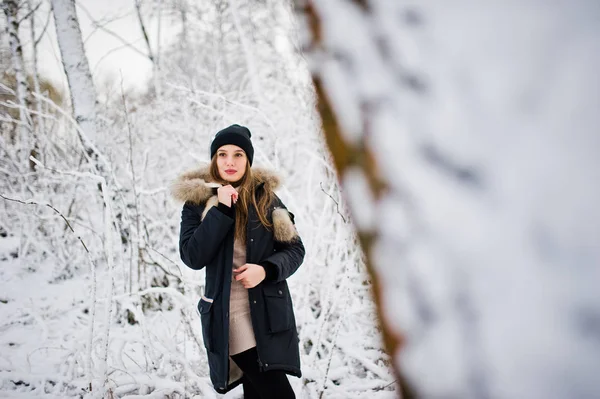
199 240
286 258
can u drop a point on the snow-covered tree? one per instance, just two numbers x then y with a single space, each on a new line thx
11 11
113 309
77 70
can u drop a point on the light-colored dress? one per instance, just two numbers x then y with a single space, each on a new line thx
241 334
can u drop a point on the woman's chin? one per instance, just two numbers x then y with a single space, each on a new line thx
232 179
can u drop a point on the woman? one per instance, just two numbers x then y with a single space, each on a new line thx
234 226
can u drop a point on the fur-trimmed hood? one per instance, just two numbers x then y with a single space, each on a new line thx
195 186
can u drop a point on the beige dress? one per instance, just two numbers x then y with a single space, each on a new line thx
241 334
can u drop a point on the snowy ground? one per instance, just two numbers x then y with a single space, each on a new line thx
46 327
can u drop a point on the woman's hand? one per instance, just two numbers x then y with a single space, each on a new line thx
250 275
226 194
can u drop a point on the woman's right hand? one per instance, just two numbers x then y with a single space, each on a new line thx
226 194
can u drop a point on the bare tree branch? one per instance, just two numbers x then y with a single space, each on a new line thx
138 7
30 13
30 202
113 34
45 27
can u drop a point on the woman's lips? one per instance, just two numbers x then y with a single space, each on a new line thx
230 171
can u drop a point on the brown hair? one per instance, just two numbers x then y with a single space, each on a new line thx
246 188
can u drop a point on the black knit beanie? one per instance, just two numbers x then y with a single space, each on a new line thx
236 135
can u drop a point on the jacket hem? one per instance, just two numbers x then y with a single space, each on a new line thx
229 387
291 370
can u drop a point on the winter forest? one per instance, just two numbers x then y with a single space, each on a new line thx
441 160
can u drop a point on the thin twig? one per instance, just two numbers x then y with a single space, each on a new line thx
138 7
7 89
332 350
29 13
107 211
36 42
55 210
155 263
385 386
113 34
134 186
336 203
109 52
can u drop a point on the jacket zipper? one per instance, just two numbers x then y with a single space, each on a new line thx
229 302
249 242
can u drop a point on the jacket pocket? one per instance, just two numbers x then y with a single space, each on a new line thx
206 317
277 304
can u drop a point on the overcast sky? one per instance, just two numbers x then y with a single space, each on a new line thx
107 55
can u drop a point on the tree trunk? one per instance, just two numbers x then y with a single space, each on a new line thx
75 63
11 9
466 137
151 54
183 14
36 87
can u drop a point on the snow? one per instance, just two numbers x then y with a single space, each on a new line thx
483 121
109 303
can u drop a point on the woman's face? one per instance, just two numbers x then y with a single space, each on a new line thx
231 162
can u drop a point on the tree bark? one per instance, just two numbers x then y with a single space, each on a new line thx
36 87
75 63
151 54
11 10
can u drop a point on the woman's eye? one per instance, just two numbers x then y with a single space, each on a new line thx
222 154
238 155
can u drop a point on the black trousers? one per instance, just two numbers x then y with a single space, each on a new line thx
266 385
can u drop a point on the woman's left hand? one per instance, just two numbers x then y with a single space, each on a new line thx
250 275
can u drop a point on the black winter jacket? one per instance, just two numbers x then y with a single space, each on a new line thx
206 241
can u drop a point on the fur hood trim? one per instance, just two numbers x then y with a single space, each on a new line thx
284 229
195 186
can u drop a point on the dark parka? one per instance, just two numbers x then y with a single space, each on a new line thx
206 241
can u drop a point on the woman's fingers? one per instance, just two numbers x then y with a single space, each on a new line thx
249 284
250 275
232 192
227 194
240 270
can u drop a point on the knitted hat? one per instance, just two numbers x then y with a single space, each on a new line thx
236 135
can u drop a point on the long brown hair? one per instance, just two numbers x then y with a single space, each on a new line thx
246 188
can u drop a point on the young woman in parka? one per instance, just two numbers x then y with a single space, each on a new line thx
236 228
